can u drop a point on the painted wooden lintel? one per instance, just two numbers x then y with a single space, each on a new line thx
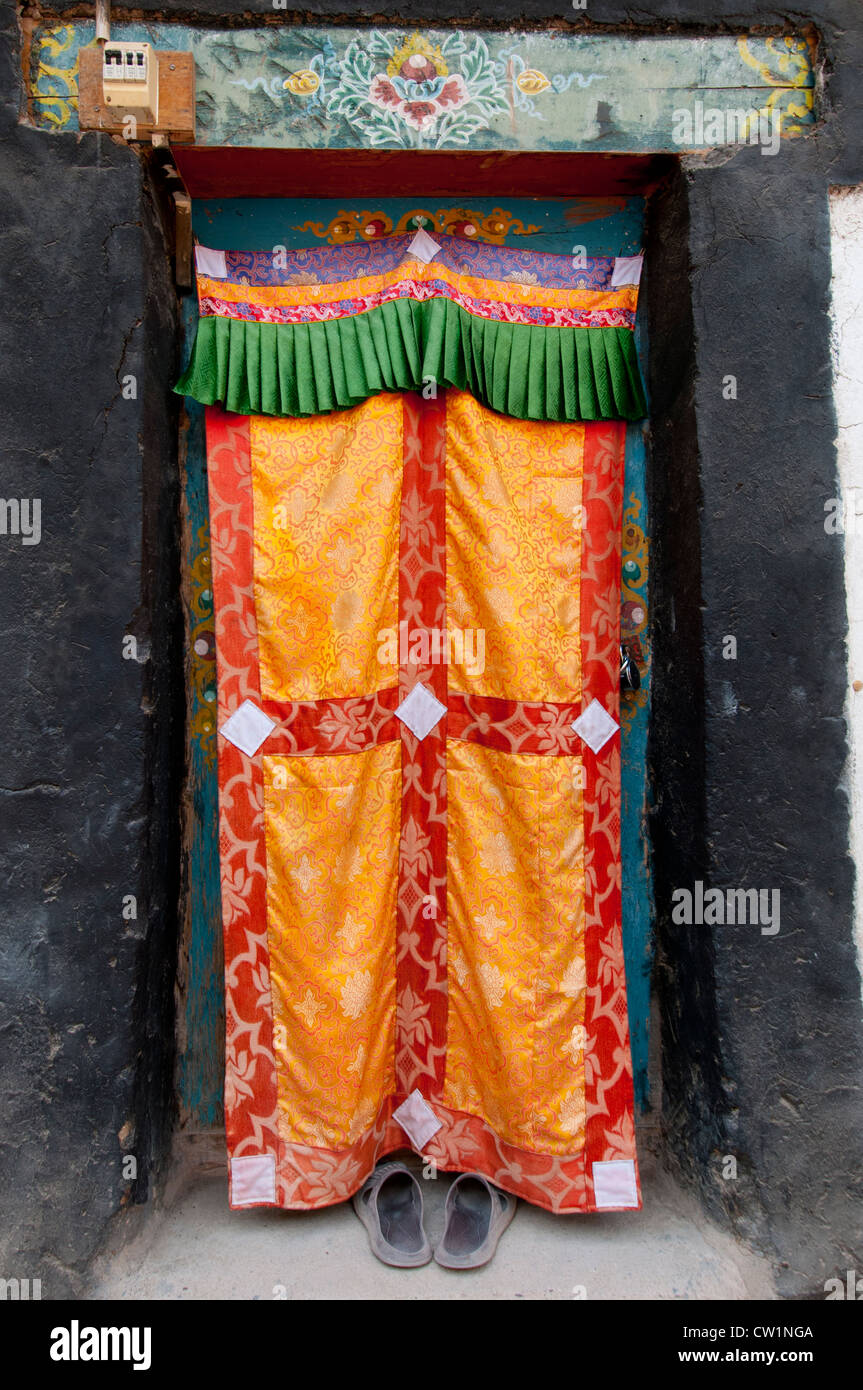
344 88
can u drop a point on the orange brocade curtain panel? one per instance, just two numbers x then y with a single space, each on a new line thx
416 603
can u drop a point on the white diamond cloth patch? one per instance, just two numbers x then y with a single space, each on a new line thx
247 728
211 263
417 1119
595 726
627 271
253 1180
614 1183
421 710
424 247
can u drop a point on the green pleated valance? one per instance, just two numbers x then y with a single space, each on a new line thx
529 334
532 372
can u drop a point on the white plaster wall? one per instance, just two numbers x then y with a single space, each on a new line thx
846 226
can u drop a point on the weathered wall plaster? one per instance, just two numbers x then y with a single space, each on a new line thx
843 515
762 1035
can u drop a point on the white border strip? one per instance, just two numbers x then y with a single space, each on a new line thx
846 249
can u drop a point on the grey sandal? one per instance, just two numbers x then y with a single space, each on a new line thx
390 1206
477 1214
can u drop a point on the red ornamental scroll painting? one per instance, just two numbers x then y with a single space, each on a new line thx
416 602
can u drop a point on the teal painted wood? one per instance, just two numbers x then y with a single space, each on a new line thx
201 1034
637 886
601 227
345 88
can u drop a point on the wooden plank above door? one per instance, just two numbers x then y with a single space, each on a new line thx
320 87
280 173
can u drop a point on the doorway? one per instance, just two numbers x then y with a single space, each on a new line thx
589 225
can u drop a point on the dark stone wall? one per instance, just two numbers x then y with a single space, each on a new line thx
685 959
89 791
761 1034
662 16
762 1039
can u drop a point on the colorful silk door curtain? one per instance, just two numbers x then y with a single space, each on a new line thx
415 455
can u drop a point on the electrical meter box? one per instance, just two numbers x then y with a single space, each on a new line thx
130 79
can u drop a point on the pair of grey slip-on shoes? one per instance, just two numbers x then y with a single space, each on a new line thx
390 1206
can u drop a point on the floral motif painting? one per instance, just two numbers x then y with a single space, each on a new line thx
343 88
412 92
